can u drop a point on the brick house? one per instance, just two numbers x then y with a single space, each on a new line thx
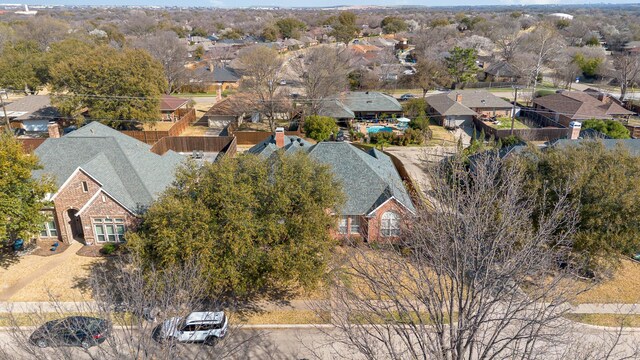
568 106
458 108
377 202
105 180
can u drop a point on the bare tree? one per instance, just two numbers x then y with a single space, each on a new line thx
507 38
261 70
430 74
135 303
544 43
626 69
167 48
323 72
44 30
473 277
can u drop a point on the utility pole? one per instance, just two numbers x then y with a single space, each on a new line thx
4 110
513 110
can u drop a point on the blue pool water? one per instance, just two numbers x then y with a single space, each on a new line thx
378 128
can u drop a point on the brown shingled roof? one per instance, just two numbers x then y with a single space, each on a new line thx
581 106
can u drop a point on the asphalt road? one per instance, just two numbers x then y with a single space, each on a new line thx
285 343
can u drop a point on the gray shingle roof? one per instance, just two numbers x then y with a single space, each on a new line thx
335 109
446 104
219 74
37 107
503 69
369 101
126 167
369 178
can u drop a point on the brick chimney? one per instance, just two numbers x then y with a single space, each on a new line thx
54 130
279 136
574 129
459 98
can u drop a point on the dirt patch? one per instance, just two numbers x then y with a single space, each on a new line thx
195 130
90 251
43 247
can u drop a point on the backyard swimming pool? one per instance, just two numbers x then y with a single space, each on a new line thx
379 128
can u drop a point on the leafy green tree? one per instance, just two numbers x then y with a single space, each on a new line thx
199 52
393 24
198 31
320 128
461 64
439 22
256 224
113 85
21 196
420 123
593 41
590 66
604 185
415 107
23 66
270 33
344 27
290 27
611 128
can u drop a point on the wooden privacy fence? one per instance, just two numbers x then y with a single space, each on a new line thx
533 134
187 144
187 117
253 137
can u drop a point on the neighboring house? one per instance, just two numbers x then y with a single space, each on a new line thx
170 106
293 44
364 105
457 108
32 113
377 202
501 72
236 108
569 106
308 41
212 78
105 180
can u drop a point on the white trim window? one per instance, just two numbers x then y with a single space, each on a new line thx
109 229
49 228
390 224
343 226
355 225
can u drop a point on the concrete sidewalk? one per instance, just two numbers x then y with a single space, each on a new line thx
50 307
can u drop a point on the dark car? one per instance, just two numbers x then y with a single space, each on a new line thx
71 331
406 97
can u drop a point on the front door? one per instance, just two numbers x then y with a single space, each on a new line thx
75 224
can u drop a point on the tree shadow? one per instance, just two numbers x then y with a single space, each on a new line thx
8 256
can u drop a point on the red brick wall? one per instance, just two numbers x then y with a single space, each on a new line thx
373 224
104 206
71 196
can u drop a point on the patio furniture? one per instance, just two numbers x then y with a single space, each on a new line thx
55 245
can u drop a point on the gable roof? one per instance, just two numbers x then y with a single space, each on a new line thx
127 169
32 107
219 74
364 101
446 104
369 178
171 103
502 69
580 106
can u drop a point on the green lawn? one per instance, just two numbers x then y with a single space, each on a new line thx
505 124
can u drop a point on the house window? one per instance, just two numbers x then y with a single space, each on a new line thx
342 225
49 228
85 186
390 224
355 225
109 229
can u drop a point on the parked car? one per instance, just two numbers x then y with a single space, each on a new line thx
204 327
72 331
283 82
406 97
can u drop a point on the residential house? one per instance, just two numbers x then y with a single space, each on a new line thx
236 108
377 202
293 44
212 78
501 72
364 105
458 108
170 107
32 114
567 106
308 41
105 181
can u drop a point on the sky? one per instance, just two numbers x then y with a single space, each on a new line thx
296 3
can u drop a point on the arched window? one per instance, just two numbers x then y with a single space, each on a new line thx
390 224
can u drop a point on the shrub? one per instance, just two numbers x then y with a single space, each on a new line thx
611 128
108 249
420 123
320 128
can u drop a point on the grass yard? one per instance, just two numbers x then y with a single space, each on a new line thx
441 136
622 288
505 124
612 320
